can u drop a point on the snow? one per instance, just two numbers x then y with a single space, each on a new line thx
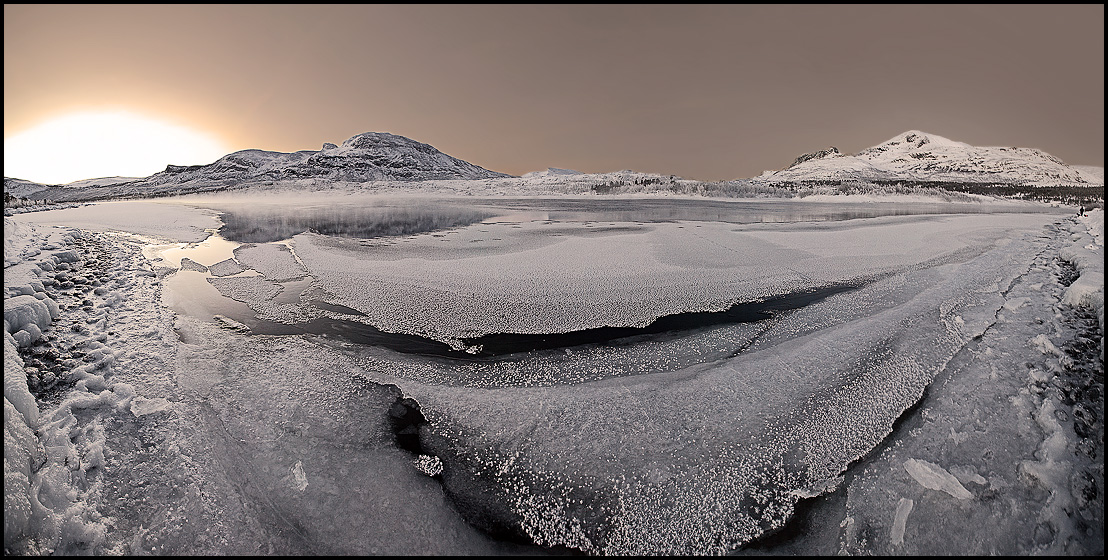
163 432
152 219
16 393
1086 252
1093 173
101 181
550 171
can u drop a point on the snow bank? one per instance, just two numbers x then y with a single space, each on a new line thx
51 489
1086 253
21 448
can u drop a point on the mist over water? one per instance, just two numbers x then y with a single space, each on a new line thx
269 220
272 223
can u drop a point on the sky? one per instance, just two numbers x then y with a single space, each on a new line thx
709 92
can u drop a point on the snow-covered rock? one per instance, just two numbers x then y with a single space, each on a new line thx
21 449
25 317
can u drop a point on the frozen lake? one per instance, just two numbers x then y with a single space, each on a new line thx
608 375
481 227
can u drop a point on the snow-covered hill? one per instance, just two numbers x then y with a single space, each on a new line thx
20 188
372 156
916 156
367 157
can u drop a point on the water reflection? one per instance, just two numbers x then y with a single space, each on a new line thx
275 223
713 210
379 217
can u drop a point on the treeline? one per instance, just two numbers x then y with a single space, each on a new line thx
11 201
722 189
1066 194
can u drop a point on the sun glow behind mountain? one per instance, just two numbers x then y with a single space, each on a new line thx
104 144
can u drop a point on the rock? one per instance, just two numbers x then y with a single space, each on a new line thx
406 418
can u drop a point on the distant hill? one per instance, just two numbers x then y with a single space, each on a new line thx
372 156
389 163
919 157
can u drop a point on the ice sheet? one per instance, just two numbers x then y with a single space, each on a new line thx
160 220
443 291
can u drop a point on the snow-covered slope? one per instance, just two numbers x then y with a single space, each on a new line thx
1096 172
21 188
102 181
921 157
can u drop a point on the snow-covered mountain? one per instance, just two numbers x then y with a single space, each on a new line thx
551 171
372 156
916 156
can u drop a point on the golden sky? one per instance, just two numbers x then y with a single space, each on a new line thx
706 92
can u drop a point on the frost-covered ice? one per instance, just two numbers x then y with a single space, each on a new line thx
582 279
275 262
134 429
228 267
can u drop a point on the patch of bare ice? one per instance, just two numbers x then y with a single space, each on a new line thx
935 477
